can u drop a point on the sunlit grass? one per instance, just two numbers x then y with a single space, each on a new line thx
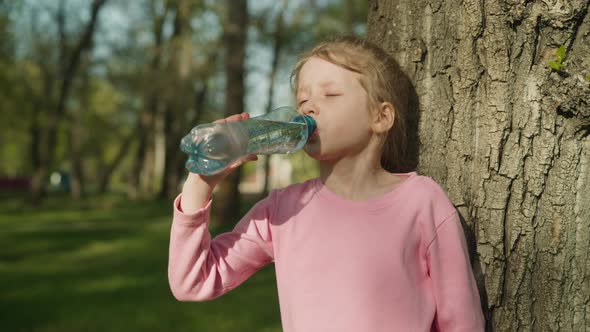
101 265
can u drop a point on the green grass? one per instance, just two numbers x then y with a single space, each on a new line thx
101 265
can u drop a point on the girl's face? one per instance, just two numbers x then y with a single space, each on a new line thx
334 97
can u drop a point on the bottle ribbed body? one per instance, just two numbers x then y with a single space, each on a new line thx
213 147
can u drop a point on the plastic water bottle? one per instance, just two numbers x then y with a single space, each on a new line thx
215 146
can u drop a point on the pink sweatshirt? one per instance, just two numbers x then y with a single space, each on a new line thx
394 263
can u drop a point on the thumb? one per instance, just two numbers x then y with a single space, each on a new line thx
245 159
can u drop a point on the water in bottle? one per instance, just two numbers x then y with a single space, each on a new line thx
213 147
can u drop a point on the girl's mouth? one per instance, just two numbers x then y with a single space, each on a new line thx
314 135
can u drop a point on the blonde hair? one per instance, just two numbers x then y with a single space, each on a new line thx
384 81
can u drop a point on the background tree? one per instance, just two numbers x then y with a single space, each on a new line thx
15 158
68 63
234 37
149 72
178 94
507 135
277 41
143 164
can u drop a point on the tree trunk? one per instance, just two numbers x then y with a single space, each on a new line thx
236 26
39 156
276 52
145 142
175 116
169 153
508 139
106 173
143 161
76 135
74 145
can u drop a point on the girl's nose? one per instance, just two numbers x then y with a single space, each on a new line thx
309 108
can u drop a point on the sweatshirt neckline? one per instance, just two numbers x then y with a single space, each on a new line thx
371 204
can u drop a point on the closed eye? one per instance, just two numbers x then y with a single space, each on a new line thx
302 102
333 94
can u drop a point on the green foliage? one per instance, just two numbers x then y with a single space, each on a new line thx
15 111
558 64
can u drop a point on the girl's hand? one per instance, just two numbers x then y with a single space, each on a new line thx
213 180
198 188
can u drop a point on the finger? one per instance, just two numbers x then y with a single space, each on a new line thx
235 117
250 157
247 159
243 160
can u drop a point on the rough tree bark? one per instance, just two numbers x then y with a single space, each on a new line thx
508 137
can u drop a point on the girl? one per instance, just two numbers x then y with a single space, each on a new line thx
361 248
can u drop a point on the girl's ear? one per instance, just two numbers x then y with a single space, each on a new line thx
384 118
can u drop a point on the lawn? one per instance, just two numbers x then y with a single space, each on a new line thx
101 264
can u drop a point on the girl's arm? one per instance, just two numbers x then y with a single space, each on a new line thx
458 306
200 268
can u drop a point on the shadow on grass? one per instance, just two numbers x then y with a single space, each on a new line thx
102 266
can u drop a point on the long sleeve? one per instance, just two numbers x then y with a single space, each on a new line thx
457 300
201 268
